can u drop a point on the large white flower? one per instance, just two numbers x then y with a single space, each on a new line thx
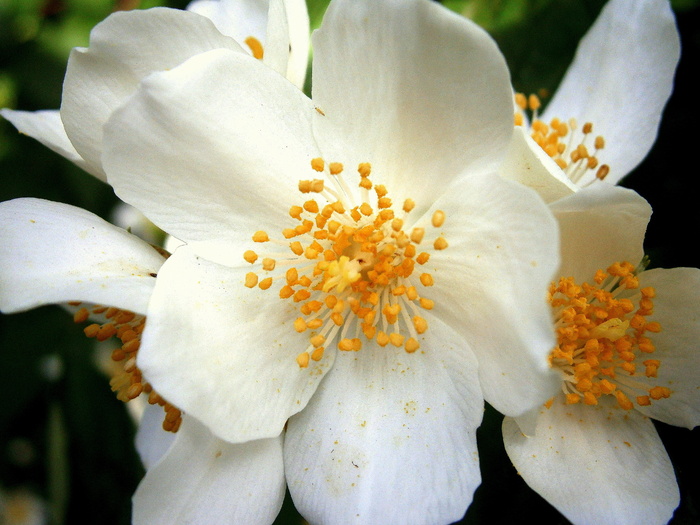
604 116
101 78
627 351
217 168
402 281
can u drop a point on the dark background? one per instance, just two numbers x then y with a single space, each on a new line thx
66 442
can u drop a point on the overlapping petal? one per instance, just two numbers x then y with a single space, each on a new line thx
412 88
203 479
389 437
46 127
212 150
100 78
599 226
490 285
620 80
596 464
223 353
677 310
55 253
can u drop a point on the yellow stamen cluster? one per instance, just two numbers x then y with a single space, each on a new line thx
128 383
602 333
255 47
563 141
351 269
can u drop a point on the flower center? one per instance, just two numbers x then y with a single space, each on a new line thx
602 338
565 142
127 382
351 269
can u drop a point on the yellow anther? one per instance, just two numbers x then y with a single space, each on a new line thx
317 340
296 247
251 279
396 339
427 304
295 212
420 324
438 218
426 279
250 256
587 128
521 101
411 345
255 46
311 206
417 235
300 325
317 354
408 205
260 236
440 243
365 168
318 164
346 345
268 264
383 203
335 168
366 209
422 258
265 283
303 360
533 102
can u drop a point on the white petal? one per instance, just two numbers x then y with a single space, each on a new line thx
420 92
54 253
152 442
46 127
299 41
389 437
237 19
223 353
213 150
600 225
620 80
528 164
125 48
491 282
677 309
596 464
281 26
203 479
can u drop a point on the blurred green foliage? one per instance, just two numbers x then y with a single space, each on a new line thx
63 435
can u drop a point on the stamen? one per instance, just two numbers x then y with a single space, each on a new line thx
601 335
255 46
128 383
349 267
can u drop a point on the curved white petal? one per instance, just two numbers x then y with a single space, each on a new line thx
237 19
620 80
419 92
125 48
677 309
389 437
224 353
55 253
46 127
213 150
490 285
600 225
281 26
152 442
203 479
596 464
528 164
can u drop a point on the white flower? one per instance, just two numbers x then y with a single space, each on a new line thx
402 283
101 78
627 351
614 92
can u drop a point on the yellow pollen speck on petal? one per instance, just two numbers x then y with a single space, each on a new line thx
255 46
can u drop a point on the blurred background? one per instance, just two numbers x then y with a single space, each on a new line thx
66 442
